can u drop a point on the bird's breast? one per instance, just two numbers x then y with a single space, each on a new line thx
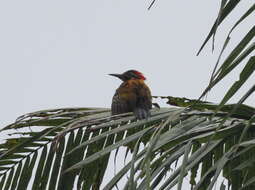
130 89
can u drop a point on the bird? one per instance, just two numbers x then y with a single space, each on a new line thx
133 95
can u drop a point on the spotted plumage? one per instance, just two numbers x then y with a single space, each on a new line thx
133 95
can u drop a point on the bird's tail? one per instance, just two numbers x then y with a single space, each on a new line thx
142 113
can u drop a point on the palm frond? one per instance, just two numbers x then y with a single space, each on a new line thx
243 50
71 148
74 152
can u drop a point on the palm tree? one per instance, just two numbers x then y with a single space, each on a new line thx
70 148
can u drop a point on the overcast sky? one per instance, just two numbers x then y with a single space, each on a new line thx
58 53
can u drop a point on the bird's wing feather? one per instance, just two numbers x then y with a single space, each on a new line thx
144 99
119 105
143 102
133 95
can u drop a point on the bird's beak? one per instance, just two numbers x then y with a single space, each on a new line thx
116 75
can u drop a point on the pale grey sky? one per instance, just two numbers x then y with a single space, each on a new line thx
58 53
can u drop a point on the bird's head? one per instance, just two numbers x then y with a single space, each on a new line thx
131 74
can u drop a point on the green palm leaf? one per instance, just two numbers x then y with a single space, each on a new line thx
79 148
72 147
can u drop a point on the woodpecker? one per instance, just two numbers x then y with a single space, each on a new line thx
133 95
